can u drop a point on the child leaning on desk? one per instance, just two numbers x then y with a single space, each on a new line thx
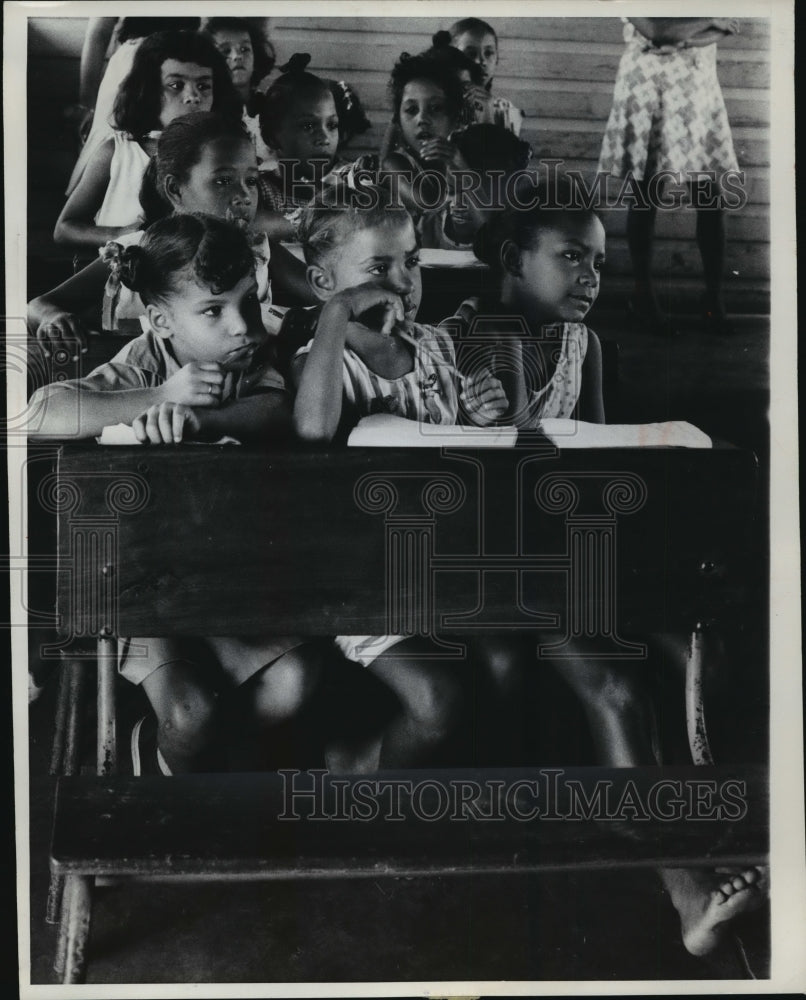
362 352
202 370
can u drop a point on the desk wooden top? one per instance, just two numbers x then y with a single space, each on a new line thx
223 540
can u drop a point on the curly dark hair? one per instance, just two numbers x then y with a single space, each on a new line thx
216 252
138 104
547 204
438 71
179 149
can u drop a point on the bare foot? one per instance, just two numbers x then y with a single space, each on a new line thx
707 901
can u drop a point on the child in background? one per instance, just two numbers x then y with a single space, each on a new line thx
173 74
300 121
250 59
99 86
479 42
203 163
428 106
202 370
484 148
368 355
478 101
549 260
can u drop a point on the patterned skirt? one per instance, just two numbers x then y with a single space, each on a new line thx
668 114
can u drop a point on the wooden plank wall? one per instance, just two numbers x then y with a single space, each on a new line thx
560 71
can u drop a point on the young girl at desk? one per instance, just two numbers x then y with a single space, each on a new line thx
174 73
202 370
203 163
300 120
368 355
548 261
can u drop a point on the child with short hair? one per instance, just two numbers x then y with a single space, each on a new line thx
367 354
173 73
204 369
478 41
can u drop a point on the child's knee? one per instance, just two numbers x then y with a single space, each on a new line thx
502 661
605 686
191 720
287 686
435 704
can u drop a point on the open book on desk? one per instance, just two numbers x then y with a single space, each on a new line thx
386 430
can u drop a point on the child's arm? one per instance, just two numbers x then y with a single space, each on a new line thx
81 410
58 315
248 418
318 406
275 226
75 224
590 407
288 275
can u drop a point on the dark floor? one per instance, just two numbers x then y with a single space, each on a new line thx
578 925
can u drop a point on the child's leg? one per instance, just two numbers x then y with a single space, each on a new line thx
430 692
278 724
186 706
616 702
499 701
712 244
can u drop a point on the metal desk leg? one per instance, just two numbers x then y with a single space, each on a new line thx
695 709
107 673
74 929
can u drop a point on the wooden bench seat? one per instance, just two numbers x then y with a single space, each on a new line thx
248 826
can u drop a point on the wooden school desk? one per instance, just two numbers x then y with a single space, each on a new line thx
229 540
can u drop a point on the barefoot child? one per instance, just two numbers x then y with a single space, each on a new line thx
367 354
548 261
202 370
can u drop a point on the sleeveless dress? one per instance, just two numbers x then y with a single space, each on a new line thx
563 345
121 204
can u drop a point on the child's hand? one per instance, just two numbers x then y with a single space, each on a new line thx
372 306
442 152
484 399
729 25
165 423
197 384
479 103
62 330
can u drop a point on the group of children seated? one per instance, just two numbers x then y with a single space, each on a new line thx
190 214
